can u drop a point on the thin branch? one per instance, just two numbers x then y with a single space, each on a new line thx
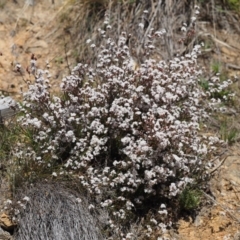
66 56
218 166
149 26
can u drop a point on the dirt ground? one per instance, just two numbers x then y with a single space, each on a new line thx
27 30
221 218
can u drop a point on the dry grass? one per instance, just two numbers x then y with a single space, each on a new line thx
53 212
82 19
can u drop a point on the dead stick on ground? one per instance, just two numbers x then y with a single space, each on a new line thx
218 166
232 66
219 155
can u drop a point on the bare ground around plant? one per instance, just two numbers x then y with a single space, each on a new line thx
25 30
220 218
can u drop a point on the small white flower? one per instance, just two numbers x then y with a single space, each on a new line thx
8 201
91 206
129 236
154 221
163 206
141 25
26 198
54 174
183 29
151 47
193 19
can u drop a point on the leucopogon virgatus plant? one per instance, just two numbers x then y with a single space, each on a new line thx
131 136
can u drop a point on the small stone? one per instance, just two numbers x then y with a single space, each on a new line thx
6 223
237 236
198 221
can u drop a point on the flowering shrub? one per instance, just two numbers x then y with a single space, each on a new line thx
132 136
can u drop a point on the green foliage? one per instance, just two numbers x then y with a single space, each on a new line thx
64 17
59 60
9 135
204 83
221 5
131 1
216 67
211 85
221 94
227 133
2 3
190 198
234 4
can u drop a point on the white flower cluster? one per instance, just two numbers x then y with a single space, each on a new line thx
14 208
131 134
